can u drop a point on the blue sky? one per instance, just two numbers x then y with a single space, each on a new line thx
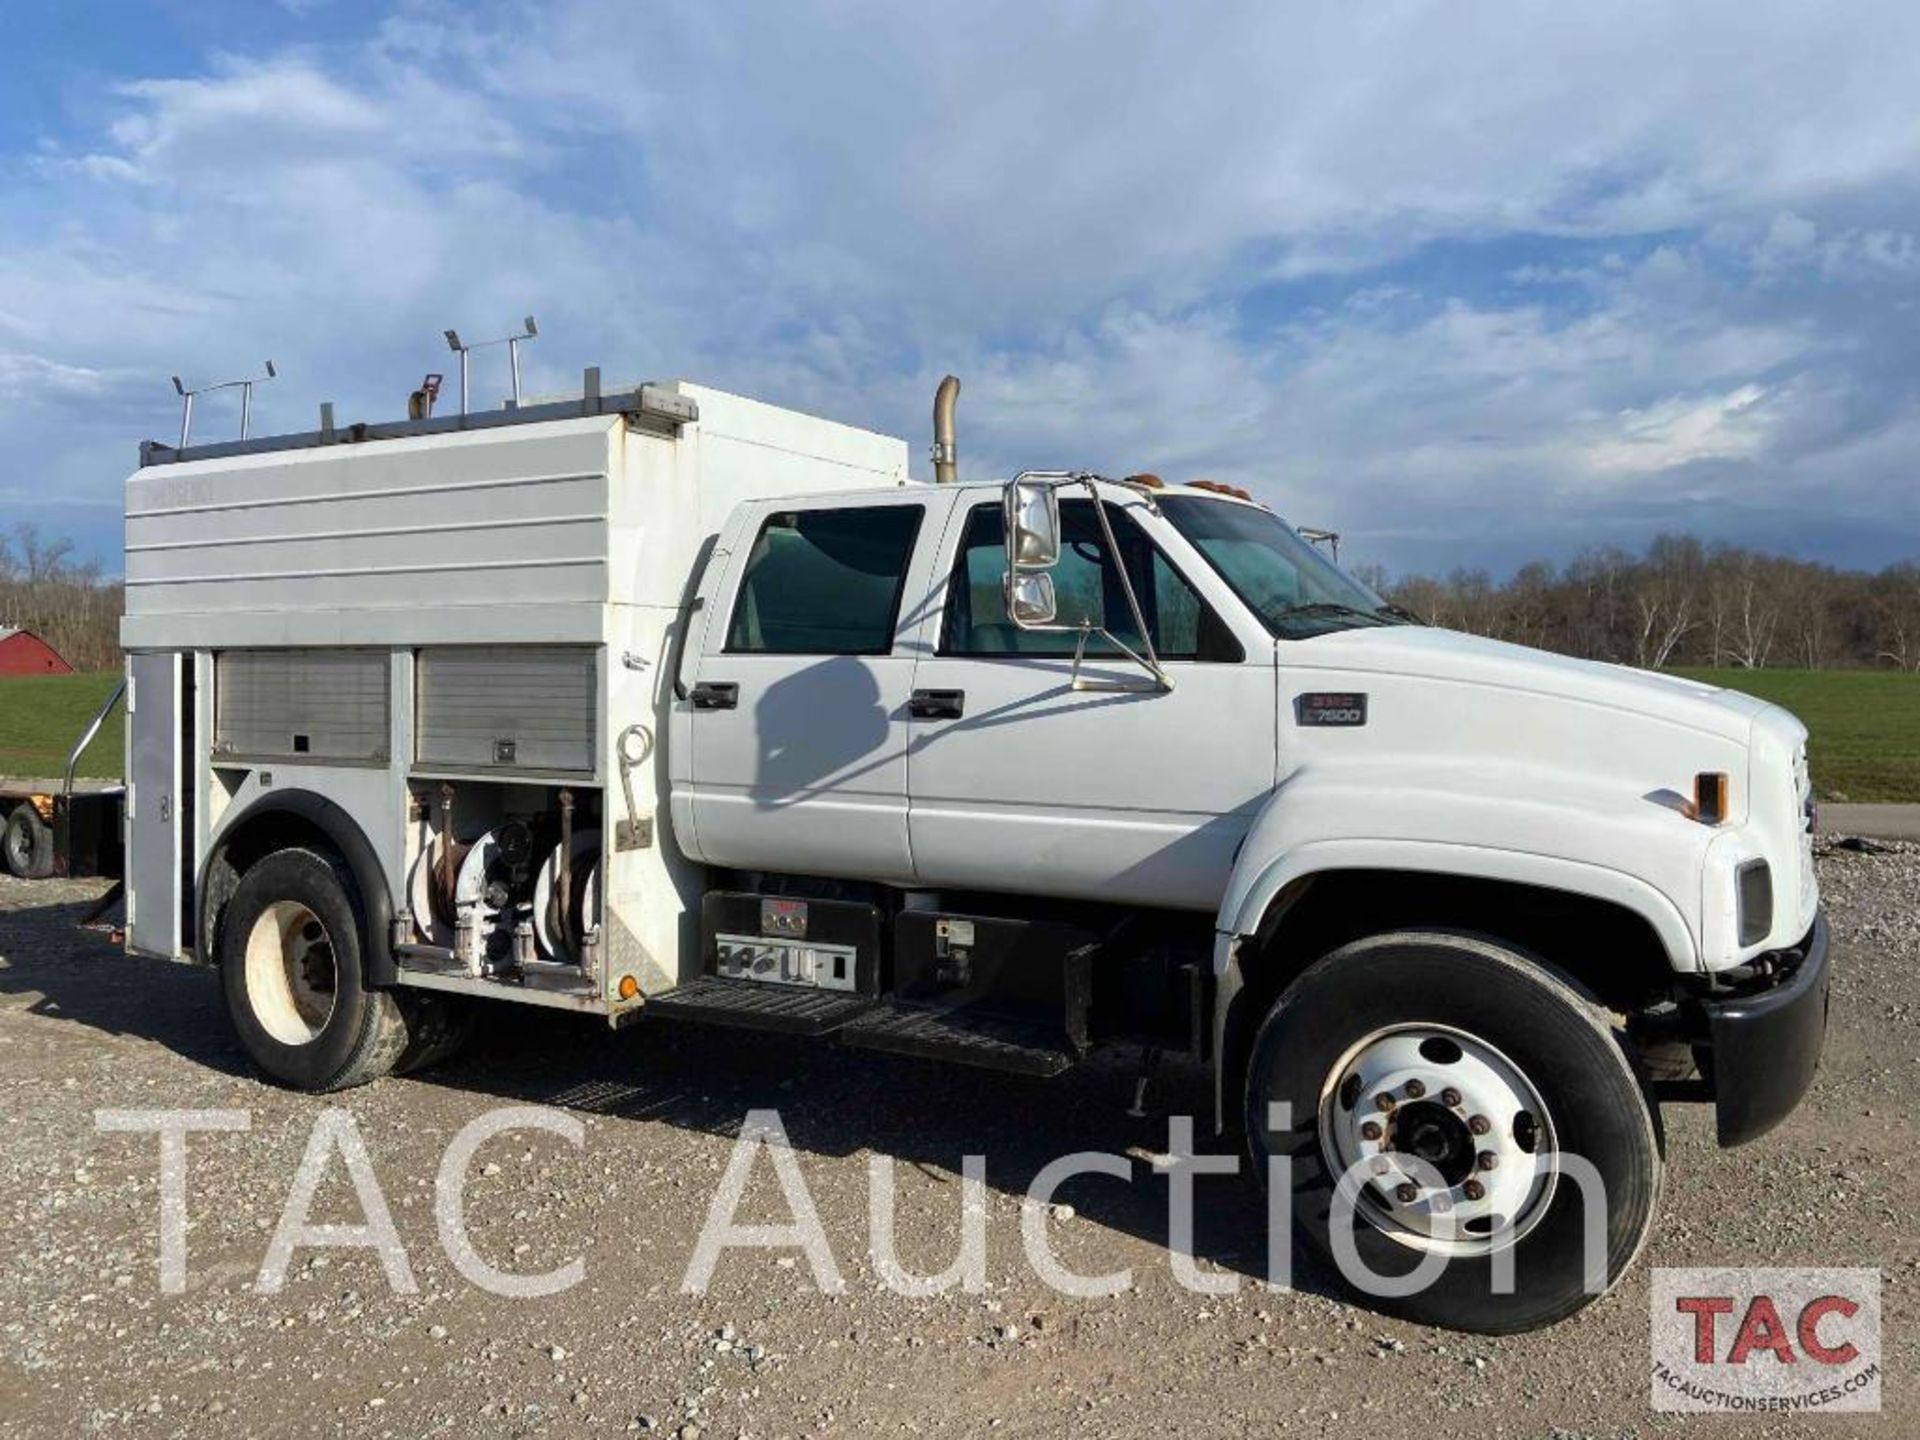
1470 284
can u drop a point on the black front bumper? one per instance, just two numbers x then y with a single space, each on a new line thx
1766 1041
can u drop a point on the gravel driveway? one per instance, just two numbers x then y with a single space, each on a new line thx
89 1343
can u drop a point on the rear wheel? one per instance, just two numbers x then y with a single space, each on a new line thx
28 843
292 966
1462 1089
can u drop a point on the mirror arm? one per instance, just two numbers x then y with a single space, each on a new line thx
1159 679
1150 661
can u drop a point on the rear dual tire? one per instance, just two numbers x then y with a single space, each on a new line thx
28 843
1460 1055
293 970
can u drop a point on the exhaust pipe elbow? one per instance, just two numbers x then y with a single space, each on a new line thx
946 451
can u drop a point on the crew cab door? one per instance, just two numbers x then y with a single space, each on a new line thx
797 703
1017 781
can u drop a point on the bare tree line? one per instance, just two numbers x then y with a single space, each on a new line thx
69 605
1683 603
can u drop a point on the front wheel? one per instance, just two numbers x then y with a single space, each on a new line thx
1481 1111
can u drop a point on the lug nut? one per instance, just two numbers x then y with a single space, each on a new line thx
1486 1160
1370 1130
1450 1097
1405 1194
1474 1190
1479 1124
1383 1102
1415 1089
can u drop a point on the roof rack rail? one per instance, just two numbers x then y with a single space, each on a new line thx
654 402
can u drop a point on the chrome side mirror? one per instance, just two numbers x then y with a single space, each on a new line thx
1032 527
1032 524
1031 509
1030 598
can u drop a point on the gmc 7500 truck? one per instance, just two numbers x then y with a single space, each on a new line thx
668 704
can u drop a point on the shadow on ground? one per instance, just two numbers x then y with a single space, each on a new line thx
832 1101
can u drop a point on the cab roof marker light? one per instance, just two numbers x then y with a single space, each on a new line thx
1219 487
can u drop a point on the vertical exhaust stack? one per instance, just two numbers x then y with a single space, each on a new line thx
946 452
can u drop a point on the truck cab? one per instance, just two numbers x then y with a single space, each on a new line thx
999 774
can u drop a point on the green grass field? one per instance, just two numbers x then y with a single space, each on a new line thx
42 715
1863 725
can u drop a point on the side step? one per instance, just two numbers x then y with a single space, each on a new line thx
963 1036
757 1005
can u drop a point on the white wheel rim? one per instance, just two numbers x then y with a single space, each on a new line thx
1451 1145
292 973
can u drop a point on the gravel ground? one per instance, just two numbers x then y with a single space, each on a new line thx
89 1344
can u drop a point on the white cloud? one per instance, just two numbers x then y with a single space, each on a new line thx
1681 430
1143 241
27 379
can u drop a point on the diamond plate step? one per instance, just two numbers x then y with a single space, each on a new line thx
757 1005
962 1036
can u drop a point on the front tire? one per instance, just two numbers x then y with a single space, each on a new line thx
28 844
293 969
1454 1079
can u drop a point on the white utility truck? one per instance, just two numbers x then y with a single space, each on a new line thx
667 704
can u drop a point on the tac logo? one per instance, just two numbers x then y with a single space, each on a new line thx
1756 1341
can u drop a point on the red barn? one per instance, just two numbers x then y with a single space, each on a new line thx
24 653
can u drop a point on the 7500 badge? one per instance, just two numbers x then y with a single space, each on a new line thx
1331 707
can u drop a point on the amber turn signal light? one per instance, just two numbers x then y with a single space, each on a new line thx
1710 797
629 987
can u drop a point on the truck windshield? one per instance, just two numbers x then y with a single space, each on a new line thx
1296 591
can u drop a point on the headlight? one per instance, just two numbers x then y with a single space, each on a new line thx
1753 882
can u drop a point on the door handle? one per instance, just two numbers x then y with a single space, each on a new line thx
715 695
937 704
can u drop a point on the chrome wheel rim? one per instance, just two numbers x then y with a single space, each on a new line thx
292 973
1449 1144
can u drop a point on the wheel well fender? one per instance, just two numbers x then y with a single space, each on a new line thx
1616 950
279 821
1260 891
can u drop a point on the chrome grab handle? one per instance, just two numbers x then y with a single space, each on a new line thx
86 738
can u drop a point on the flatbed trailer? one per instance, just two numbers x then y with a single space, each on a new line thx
69 825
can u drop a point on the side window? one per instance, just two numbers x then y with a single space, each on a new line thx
1088 588
825 582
